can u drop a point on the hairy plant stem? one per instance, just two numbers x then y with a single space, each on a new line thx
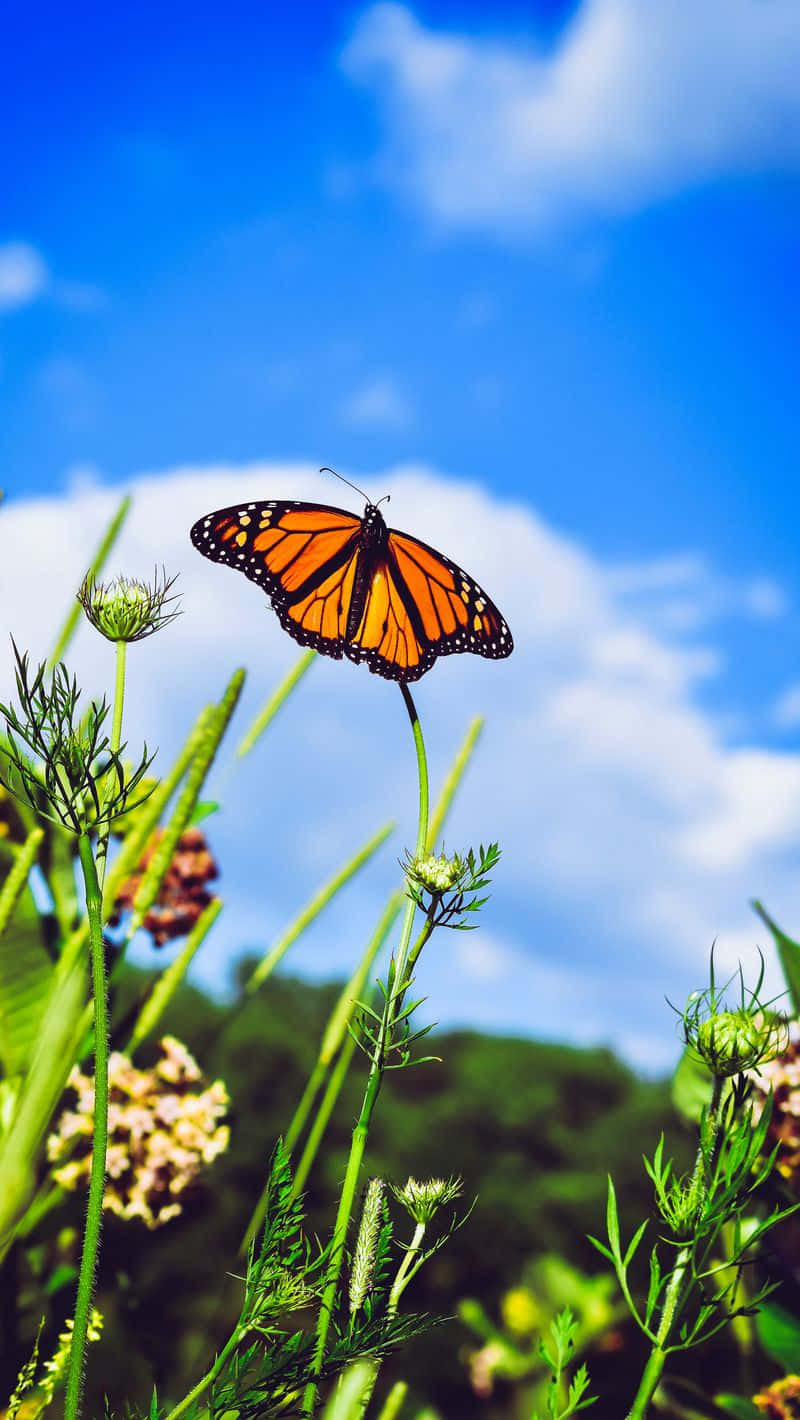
115 742
392 1005
674 1295
94 1207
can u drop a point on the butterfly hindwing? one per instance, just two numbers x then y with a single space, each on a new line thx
453 612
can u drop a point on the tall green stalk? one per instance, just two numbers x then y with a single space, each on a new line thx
94 1209
397 975
116 740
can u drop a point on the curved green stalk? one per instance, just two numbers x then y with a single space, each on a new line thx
397 977
94 1208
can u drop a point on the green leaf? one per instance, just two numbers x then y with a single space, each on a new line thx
691 1086
779 1334
788 952
737 1406
634 1243
612 1219
204 809
26 972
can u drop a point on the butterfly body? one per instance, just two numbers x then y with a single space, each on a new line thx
351 586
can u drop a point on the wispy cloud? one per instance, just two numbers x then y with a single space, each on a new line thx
379 403
23 275
633 831
635 102
786 710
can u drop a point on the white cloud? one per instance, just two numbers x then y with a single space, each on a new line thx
633 103
379 403
633 833
23 275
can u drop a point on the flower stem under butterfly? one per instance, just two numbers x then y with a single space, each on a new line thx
393 1000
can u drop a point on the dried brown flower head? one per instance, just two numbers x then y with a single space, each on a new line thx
183 895
163 1126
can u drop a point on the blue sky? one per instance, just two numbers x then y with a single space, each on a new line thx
545 253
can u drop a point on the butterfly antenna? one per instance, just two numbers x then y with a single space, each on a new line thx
355 489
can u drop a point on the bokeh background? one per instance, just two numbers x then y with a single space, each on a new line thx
529 269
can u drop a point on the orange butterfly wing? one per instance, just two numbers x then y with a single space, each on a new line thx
415 606
292 550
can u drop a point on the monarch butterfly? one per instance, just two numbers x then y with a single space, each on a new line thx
353 586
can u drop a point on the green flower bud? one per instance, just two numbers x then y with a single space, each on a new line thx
127 610
436 874
731 1042
422 1200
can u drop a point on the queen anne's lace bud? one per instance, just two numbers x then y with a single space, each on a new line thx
422 1200
437 874
126 609
731 1042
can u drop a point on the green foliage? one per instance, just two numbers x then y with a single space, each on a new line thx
779 1334
68 771
557 1356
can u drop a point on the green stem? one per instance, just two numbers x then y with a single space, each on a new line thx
402 1279
393 1403
404 1274
209 1377
673 1298
116 740
361 1131
94 1208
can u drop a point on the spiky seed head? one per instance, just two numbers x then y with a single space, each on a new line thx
125 609
422 1200
363 1268
730 1042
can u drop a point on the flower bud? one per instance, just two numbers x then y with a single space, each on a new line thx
422 1200
731 1042
436 874
128 610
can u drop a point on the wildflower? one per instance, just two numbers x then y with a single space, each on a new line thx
163 1127
781 1400
422 1200
183 895
127 610
520 1311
